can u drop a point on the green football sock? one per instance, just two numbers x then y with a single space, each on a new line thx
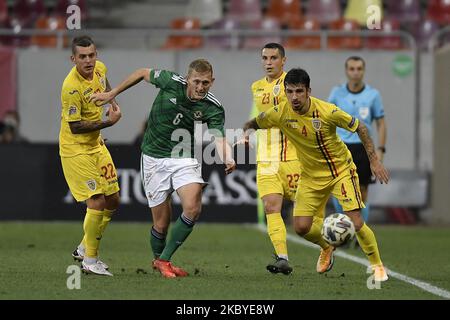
157 242
178 234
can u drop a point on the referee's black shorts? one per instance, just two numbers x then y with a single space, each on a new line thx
362 163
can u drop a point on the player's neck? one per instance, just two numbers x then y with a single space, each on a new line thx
355 87
271 79
86 76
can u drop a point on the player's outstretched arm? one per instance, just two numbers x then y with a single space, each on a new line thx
249 127
131 80
376 166
225 154
113 113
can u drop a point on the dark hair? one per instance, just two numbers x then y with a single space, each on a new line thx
200 66
82 41
356 58
297 76
274 45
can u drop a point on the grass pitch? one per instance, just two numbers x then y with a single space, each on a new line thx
225 262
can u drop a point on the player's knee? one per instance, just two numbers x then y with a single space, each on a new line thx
161 227
96 202
113 201
192 210
302 228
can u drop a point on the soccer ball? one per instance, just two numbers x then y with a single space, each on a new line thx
337 229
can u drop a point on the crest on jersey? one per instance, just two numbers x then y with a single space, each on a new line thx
173 100
156 74
364 112
72 110
276 90
92 185
317 124
198 114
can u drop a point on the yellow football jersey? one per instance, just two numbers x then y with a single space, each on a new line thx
273 145
75 94
322 154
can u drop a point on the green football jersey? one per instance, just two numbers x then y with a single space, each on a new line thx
172 119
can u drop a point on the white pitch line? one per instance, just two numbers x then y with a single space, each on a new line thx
418 283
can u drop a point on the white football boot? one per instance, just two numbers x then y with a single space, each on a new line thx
78 255
95 268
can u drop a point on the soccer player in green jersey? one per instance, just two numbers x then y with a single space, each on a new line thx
169 165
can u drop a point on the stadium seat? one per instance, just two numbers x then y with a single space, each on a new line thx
404 11
224 41
423 31
184 41
286 11
62 5
49 23
257 42
245 10
17 40
324 11
386 42
207 11
357 10
3 12
345 41
439 11
304 42
29 10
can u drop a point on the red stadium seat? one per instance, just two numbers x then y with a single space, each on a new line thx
386 42
304 42
439 11
3 12
324 11
257 42
245 10
285 11
49 23
29 10
344 42
184 42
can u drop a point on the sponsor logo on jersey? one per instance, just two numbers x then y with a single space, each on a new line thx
72 110
173 100
275 108
88 90
92 185
317 124
198 114
259 89
156 74
292 123
364 112
72 92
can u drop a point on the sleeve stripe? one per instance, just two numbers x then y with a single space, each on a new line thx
213 99
179 79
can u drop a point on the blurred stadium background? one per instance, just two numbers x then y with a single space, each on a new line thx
408 61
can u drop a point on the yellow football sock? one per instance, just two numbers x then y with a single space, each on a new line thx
92 235
107 214
277 233
314 235
368 243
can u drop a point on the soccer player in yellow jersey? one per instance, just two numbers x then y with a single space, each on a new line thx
326 164
86 162
278 169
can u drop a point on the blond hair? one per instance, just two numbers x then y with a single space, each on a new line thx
200 66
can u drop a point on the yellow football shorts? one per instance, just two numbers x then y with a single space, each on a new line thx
90 174
312 197
279 177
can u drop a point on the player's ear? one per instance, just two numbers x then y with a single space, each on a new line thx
212 81
72 58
